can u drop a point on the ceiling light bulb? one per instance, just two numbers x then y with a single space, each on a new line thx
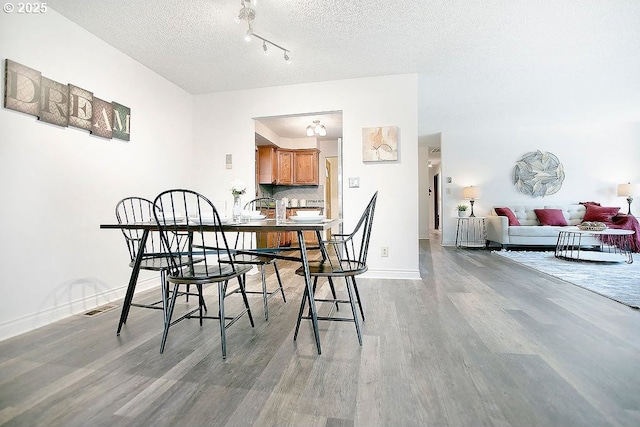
322 131
264 47
247 36
309 130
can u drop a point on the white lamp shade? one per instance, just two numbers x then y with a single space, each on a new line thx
629 189
471 192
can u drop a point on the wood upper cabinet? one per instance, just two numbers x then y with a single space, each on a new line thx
305 170
267 164
287 167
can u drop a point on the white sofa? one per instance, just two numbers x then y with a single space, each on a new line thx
530 232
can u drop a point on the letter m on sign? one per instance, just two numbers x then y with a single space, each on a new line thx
121 121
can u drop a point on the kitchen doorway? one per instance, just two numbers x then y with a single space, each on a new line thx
290 132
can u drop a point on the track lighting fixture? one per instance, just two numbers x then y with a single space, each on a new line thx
248 14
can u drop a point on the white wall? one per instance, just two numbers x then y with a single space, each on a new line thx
596 158
224 125
59 184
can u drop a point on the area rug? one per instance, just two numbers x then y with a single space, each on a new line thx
617 281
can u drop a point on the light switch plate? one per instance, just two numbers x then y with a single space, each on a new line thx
229 161
354 182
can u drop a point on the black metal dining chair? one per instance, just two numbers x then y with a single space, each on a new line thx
192 213
344 255
140 210
256 248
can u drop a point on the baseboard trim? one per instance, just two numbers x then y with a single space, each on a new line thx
43 318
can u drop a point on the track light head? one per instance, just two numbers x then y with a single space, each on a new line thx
247 13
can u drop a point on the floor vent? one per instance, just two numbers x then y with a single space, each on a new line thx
99 310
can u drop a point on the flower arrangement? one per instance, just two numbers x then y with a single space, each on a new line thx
462 208
238 187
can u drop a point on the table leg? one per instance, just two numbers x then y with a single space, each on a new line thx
309 285
126 304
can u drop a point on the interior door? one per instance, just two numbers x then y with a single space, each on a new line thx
436 201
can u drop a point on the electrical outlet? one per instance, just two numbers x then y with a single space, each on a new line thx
384 251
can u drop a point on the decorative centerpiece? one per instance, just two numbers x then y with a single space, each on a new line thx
238 188
592 226
462 210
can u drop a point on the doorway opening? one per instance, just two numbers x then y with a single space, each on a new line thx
290 132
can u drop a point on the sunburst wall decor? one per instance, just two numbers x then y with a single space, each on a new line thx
538 174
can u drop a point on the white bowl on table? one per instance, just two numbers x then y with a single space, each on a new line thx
255 214
170 217
308 213
203 218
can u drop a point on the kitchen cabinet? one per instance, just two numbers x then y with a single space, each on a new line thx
280 166
287 238
305 170
285 167
310 237
271 239
267 164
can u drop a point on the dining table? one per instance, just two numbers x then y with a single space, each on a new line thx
250 226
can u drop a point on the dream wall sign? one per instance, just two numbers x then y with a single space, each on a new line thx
27 91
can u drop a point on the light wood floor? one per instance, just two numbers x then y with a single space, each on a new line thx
480 341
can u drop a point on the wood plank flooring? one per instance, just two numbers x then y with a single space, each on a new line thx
479 341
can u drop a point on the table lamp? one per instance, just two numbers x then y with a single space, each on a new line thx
471 193
628 190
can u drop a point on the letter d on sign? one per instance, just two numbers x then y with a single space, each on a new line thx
22 88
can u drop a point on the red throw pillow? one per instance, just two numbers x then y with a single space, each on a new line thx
600 213
550 217
513 220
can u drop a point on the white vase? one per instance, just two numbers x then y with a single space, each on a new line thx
462 214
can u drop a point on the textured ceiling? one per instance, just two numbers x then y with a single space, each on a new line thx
197 45
295 126
479 61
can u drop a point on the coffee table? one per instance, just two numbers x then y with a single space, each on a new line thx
615 245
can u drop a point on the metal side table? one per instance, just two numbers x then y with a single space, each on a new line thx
471 232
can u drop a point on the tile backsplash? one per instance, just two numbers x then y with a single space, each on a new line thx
313 195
